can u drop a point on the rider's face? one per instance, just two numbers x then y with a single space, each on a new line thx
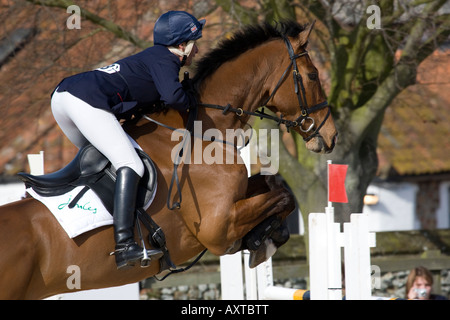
191 55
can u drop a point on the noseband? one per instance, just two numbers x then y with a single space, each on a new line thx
301 96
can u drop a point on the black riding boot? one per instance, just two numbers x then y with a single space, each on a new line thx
127 252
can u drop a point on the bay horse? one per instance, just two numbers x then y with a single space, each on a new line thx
220 203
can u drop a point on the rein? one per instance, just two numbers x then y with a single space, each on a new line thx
301 96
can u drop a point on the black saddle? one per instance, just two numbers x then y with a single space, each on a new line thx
92 170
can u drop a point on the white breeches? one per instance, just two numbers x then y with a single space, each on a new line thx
82 124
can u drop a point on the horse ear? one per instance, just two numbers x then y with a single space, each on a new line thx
304 35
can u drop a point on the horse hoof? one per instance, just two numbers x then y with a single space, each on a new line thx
265 251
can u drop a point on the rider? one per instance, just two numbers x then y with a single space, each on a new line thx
88 106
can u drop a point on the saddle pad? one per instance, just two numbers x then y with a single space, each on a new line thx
88 214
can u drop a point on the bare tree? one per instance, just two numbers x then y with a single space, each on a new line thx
370 64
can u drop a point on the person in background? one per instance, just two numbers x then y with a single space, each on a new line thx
419 284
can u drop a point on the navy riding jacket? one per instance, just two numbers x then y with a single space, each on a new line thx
138 81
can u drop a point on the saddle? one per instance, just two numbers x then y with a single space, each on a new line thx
94 171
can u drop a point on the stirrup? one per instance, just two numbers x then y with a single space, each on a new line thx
127 254
149 255
145 261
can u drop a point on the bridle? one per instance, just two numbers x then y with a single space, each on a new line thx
301 96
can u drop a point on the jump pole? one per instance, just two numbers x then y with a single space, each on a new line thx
266 289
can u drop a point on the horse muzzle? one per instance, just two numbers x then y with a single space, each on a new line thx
318 144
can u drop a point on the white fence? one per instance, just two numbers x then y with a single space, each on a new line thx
325 276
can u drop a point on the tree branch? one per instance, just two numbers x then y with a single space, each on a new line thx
242 15
439 36
117 30
400 77
414 40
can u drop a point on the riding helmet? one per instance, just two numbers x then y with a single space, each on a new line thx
176 27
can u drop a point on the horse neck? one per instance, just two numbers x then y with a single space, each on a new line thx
242 83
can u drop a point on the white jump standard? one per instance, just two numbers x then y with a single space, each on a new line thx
325 271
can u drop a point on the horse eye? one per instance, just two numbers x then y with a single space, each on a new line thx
312 76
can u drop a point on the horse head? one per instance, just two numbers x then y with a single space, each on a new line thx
255 68
301 100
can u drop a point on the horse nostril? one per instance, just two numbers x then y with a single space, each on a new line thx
333 142
335 139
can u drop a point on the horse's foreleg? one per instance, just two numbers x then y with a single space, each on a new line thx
250 212
246 214
272 232
257 184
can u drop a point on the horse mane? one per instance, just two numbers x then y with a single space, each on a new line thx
241 41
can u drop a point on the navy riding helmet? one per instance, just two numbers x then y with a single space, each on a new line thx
175 27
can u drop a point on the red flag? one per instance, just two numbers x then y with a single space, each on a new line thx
336 183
